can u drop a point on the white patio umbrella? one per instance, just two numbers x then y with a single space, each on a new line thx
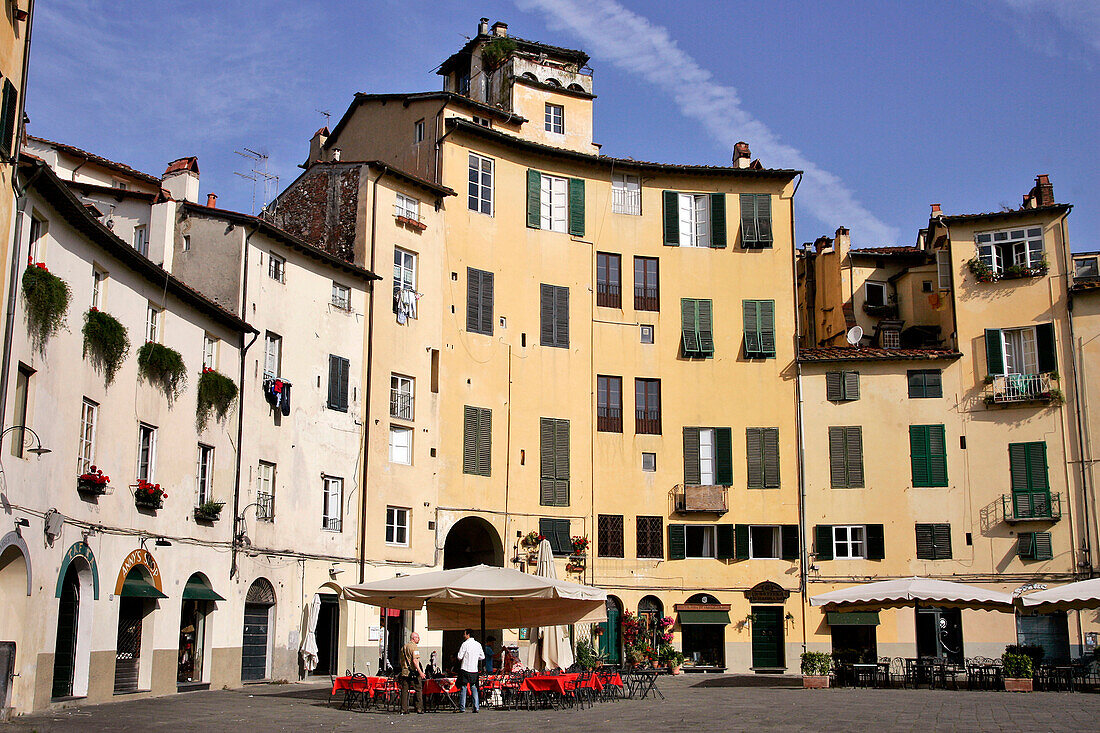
914 591
1080 596
309 643
550 647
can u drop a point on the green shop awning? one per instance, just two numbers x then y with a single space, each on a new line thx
135 587
704 617
851 618
196 590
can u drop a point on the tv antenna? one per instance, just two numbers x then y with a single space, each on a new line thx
326 114
259 174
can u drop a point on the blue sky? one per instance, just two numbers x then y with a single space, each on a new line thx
888 106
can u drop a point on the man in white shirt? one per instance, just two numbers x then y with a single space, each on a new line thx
469 654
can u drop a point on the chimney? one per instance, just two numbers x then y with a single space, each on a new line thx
842 243
336 155
317 145
483 27
500 29
181 179
212 200
936 211
1043 191
741 155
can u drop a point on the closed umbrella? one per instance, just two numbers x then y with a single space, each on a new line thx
905 592
1080 596
309 643
550 647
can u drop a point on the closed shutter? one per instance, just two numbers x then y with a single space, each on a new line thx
937 456
546 315
748 220
941 536
576 207
561 317
764 219
723 451
469 439
705 327
1042 547
767 327
834 386
838 458
564 541
915 379
334 382
854 438
851 385
789 542
547 462
771 457
688 318
484 441
876 542
677 541
925 542
754 443
561 462
692 471
724 539
1017 466
918 454
486 313
9 110
477 432
534 199
994 352
1048 355
823 541
752 327
672 218
473 300
933 383
718 220
741 540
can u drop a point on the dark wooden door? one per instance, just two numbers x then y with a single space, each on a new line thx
767 636
128 645
64 656
609 639
254 646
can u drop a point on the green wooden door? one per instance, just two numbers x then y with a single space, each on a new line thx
610 647
767 637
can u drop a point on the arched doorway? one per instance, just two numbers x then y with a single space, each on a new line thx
703 622
650 611
259 607
14 589
137 597
329 633
471 541
610 643
197 605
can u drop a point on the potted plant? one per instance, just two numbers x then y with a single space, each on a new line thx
580 545
587 655
815 670
149 495
163 367
574 567
216 395
106 342
209 511
982 271
92 482
1018 672
532 539
45 301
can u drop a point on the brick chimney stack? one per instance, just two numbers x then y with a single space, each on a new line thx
212 200
500 29
936 211
181 179
1043 191
741 155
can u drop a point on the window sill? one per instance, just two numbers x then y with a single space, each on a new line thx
397 544
123 693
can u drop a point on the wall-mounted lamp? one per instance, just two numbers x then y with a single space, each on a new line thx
22 522
161 542
37 450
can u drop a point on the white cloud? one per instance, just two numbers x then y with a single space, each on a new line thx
610 31
1079 17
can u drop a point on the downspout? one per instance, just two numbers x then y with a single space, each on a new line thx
19 128
237 519
367 391
803 557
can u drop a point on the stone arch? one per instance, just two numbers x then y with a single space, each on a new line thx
13 539
472 541
257 643
551 81
261 592
528 75
82 554
575 87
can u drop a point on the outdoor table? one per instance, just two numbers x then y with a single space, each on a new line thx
641 683
983 676
444 687
356 689
920 671
867 674
547 683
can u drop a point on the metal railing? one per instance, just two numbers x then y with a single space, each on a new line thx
646 299
1031 506
609 295
1020 388
626 201
647 422
265 506
333 524
609 419
401 404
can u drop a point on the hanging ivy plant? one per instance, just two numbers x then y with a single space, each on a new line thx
47 301
216 395
106 342
162 367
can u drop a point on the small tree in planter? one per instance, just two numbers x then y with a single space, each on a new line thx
216 395
209 511
815 670
1018 672
106 342
149 495
46 301
163 367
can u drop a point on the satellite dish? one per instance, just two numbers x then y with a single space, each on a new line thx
855 333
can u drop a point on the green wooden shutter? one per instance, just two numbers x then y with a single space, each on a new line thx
672 218
546 315
725 548
994 352
534 199
1042 546
576 207
823 542
1017 467
484 441
723 453
771 457
561 317
876 542
546 529
851 385
9 110
941 539
1037 466
473 300
741 542
754 444
547 467
838 458
916 382
748 220
918 454
565 542
677 541
937 455
333 382
1048 355
486 307
750 312
705 326
469 439
764 219
767 327
718 220
561 462
926 545
688 320
789 542
692 471
854 438
834 386
933 383
1025 545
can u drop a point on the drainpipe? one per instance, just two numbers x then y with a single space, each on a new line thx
803 557
237 519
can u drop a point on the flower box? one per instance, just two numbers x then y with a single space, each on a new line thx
93 482
410 222
1018 684
211 511
815 682
148 495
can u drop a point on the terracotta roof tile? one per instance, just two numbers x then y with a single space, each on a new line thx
851 353
1010 214
895 250
190 163
78 152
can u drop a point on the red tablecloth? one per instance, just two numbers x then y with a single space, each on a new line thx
443 684
611 679
350 683
555 683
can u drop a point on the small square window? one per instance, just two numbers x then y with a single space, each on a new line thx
341 296
926 286
891 339
276 267
647 334
649 462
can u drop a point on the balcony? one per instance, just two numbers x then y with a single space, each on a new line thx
647 422
265 506
626 201
882 310
401 405
705 499
609 419
332 524
1021 388
609 295
646 299
1031 507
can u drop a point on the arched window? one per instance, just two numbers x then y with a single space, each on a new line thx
650 611
551 81
529 76
575 87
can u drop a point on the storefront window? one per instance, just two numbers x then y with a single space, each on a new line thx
192 640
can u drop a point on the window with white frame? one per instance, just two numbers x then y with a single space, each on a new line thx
141 240
706 457
626 194
401 397
98 279
89 412
1021 350
555 118
649 462
331 516
265 491
401 445
341 296
407 207
397 526
699 540
1019 247
276 267
152 324
209 352
404 283
874 293
418 132
554 203
37 231
849 541
273 354
764 542
147 452
943 268
694 219
204 473
481 184
483 121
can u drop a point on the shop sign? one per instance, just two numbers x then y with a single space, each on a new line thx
767 592
139 557
79 549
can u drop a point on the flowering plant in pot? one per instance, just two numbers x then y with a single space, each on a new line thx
532 539
580 545
148 494
92 481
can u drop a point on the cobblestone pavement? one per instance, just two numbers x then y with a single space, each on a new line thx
687 706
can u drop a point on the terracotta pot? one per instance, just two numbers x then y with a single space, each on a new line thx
676 670
654 663
815 682
1018 684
